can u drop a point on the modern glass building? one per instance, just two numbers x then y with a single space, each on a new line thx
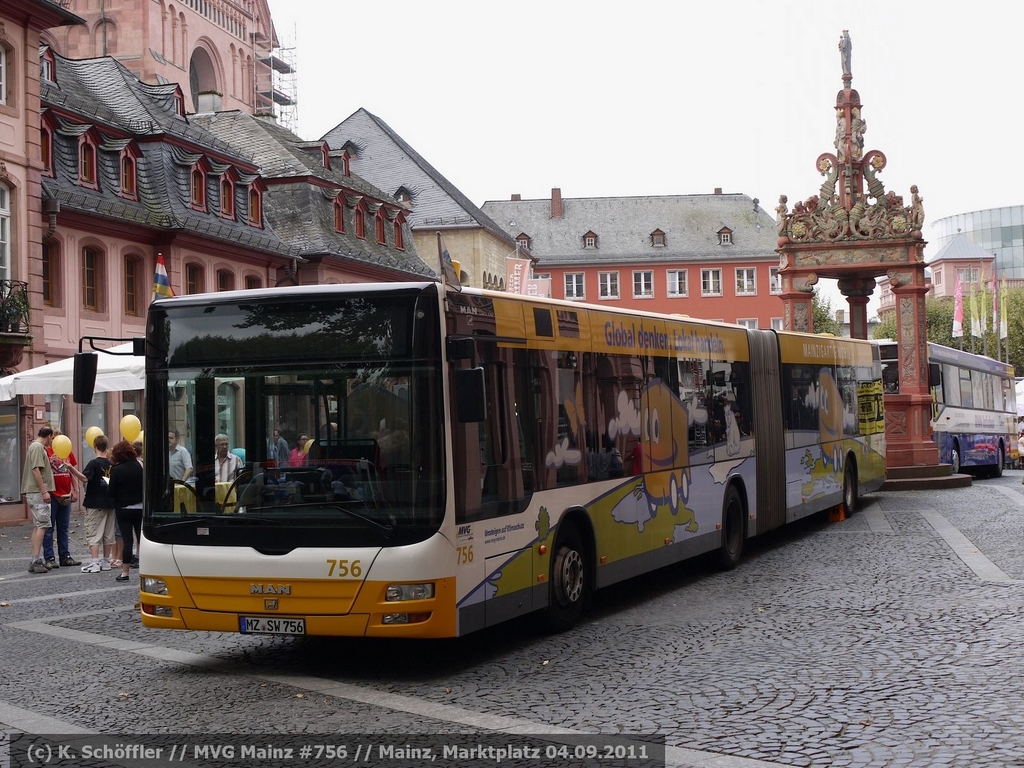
999 231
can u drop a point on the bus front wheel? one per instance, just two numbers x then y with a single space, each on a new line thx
733 530
568 581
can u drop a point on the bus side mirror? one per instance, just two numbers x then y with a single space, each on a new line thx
84 377
934 375
463 348
470 395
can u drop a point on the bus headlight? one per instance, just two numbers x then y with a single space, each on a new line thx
400 592
153 585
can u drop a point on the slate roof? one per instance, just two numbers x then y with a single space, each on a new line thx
388 161
961 248
302 212
102 94
624 225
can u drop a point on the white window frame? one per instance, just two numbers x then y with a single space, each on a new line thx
778 324
658 239
746 281
708 277
967 274
590 241
937 277
5 232
645 277
542 276
774 281
607 285
575 286
3 75
725 238
672 278
749 322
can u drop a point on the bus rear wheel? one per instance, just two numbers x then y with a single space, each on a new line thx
733 530
569 587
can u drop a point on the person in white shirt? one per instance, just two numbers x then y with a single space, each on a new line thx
179 459
227 464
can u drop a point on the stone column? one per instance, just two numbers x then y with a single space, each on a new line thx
857 291
908 414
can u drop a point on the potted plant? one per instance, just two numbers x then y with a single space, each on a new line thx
14 308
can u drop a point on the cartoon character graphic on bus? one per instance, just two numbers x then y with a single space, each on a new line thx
823 472
661 422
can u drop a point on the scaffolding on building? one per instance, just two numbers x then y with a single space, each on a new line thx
275 86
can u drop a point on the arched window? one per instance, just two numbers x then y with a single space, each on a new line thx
87 176
4 77
255 205
360 220
198 184
251 282
225 280
400 232
227 197
129 186
51 272
378 223
339 214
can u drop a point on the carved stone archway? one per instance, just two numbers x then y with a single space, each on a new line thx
854 232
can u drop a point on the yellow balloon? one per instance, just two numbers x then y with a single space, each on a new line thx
139 438
91 434
62 446
130 427
307 446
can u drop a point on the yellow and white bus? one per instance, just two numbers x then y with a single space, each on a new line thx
462 458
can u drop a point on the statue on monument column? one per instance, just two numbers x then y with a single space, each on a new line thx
858 127
845 49
916 208
781 210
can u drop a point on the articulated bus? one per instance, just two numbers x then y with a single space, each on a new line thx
974 407
462 458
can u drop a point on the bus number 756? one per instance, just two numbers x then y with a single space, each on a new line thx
346 568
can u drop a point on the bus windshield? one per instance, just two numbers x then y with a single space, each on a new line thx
312 424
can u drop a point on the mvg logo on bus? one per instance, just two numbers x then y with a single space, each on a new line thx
465 532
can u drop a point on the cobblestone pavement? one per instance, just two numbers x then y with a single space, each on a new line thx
892 638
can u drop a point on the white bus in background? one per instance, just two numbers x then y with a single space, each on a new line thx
974 407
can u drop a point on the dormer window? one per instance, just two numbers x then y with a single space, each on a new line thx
360 220
227 196
255 199
179 103
403 195
378 223
48 67
339 213
128 183
523 240
590 240
325 151
400 231
87 156
46 149
658 239
725 236
198 187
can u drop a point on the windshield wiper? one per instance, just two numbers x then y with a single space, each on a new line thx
180 522
388 529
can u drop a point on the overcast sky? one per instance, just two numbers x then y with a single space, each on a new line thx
670 97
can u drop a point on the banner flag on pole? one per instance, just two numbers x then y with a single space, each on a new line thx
161 283
975 317
958 310
448 274
517 272
1003 324
995 304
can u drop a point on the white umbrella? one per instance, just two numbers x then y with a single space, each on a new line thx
114 373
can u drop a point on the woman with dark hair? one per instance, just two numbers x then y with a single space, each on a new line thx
125 491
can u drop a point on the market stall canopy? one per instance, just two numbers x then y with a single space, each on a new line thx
114 373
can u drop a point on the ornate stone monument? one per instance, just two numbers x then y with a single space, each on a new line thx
853 231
